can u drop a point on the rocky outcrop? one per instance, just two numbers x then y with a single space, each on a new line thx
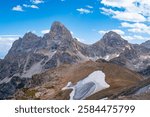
146 44
9 88
145 72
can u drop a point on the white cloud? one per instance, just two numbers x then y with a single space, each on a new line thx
148 19
84 11
6 43
129 10
8 39
90 7
102 32
34 6
120 32
128 16
136 38
80 39
125 16
71 32
136 27
30 6
17 8
37 1
45 31
118 3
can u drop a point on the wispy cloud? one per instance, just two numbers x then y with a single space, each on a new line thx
136 27
136 38
31 6
102 32
6 43
18 8
124 16
80 39
8 39
89 6
84 11
128 10
37 1
45 31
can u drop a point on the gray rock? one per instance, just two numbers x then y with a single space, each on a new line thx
145 72
8 89
146 44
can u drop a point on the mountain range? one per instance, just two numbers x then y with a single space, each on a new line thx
34 61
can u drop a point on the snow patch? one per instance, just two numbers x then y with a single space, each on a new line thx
143 57
5 80
128 46
111 56
83 57
106 98
35 69
8 79
84 88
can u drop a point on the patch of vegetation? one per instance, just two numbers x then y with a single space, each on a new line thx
30 92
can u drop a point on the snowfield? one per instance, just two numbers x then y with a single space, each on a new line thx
84 88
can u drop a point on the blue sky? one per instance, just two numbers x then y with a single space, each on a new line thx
88 20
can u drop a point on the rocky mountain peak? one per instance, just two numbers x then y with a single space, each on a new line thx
30 35
57 24
113 39
112 33
146 44
59 31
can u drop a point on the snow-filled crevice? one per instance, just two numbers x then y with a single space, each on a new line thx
93 83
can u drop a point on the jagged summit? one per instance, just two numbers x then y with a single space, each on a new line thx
112 33
58 31
146 44
30 35
113 39
57 23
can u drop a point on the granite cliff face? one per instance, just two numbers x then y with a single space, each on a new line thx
32 55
